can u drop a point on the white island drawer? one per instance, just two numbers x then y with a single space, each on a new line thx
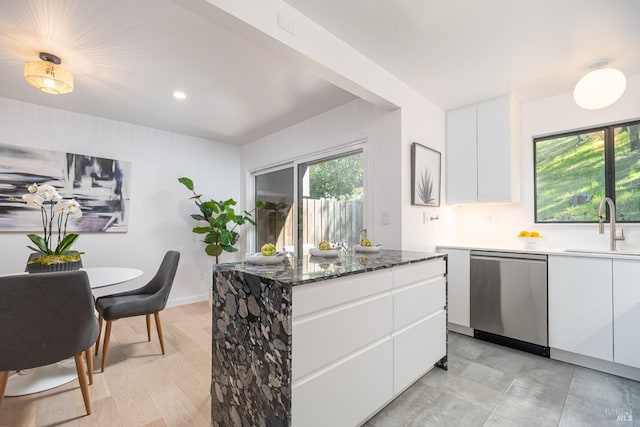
325 336
327 293
419 271
417 348
417 301
346 394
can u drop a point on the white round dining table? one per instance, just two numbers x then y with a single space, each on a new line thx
46 377
108 276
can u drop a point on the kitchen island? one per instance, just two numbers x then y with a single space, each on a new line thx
324 341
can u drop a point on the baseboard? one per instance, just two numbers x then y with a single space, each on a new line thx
464 330
187 300
597 364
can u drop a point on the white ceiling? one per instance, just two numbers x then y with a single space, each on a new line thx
463 51
128 56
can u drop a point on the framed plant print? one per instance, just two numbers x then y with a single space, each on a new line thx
425 176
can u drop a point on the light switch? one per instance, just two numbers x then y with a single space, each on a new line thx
385 218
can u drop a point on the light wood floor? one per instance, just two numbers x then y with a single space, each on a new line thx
140 386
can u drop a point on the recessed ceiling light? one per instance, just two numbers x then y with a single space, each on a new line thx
178 94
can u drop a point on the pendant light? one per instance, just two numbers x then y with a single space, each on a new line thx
600 87
47 75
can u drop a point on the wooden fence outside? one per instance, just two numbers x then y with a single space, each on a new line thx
332 220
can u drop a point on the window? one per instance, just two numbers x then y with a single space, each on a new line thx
574 171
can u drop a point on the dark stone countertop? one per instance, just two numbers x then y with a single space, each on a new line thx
308 269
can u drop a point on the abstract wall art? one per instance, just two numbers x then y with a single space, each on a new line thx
100 185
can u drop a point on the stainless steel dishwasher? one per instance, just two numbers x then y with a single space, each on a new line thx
509 299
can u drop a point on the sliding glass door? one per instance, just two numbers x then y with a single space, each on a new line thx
274 221
330 200
329 194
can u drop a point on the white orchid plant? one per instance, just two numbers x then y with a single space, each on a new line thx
55 212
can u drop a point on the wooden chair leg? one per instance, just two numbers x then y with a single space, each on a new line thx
105 345
99 332
159 328
82 378
88 354
4 377
148 316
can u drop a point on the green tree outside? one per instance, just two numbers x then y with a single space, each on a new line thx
337 177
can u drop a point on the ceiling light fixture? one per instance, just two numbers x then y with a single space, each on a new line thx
47 75
600 87
178 94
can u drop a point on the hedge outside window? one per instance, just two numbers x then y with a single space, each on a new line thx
574 171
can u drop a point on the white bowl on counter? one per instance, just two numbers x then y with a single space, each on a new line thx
260 259
367 249
328 253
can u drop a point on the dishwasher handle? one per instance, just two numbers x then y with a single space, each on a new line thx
508 256
497 259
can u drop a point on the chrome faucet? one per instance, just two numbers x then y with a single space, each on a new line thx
612 221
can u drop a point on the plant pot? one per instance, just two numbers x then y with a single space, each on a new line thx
51 267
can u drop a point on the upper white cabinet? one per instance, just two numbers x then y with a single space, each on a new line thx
482 152
462 155
626 311
580 306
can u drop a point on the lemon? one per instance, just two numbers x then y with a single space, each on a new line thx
268 249
524 233
324 245
365 242
534 234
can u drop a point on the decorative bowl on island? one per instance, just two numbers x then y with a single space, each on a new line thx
326 253
367 249
260 259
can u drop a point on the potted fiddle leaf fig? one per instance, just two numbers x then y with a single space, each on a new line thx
218 221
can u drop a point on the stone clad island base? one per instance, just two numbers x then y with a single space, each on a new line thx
318 341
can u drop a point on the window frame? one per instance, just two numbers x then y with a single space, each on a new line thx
609 166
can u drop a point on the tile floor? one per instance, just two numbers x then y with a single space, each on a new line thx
495 386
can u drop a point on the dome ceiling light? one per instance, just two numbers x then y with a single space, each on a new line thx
600 87
47 75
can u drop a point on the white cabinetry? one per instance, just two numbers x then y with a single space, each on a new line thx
458 281
419 320
462 155
482 151
626 310
580 306
358 341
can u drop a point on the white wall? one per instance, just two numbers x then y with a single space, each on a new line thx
423 122
159 211
541 117
354 121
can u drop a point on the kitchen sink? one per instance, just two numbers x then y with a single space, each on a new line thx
604 252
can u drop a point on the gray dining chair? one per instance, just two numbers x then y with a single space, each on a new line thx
150 299
46 318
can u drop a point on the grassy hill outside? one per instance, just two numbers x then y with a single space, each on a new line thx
570 178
